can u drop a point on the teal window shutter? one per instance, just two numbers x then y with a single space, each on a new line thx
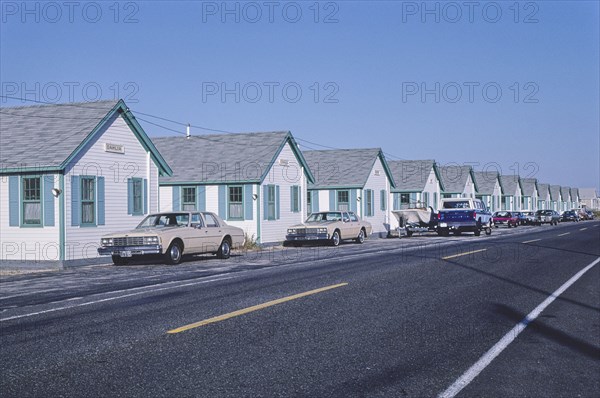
48 201
248 205
223 201
100 201
292 193
13 201
176 198
277 205
201 198
353 200
266 202
332 194
315 201
382 200
75 200
145 196
130 196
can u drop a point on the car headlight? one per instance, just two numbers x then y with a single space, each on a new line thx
321 230
106 242
150 240
291 231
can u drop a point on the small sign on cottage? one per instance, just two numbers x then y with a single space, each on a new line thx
114 148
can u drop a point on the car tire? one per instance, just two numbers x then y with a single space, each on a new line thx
360 239
335 238
174 254
488 231
409 233
118 260
224 251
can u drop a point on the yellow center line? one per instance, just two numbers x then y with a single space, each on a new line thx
582 229
252 309
531 241
566 233
463 254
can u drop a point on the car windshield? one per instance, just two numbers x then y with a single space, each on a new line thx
329 216
501 214
165 220
457 205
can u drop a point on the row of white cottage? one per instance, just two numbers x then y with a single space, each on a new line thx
74 172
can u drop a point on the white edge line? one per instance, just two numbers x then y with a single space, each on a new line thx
508 338
531 241
109 299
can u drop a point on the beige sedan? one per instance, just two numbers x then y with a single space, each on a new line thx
173 234
330 226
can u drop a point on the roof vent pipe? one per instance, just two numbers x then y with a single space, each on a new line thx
187 132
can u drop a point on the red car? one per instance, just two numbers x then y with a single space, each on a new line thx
505 218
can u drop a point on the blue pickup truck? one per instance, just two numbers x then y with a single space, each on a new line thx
464 215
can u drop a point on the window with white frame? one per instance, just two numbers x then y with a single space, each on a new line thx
32 201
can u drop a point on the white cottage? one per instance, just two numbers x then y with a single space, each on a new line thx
555 197
511 186
544 200
417 183
575 200
458 181
357 180
255 181
71 173
588 198
489 189
565 195
529 201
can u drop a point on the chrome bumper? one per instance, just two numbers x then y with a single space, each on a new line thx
305 237
135 250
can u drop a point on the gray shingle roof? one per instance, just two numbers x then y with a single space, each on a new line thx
486 181
565 192
587 193
454 178
411 175
543 190
554 192
528 186
509 184
342 167
574 193
45 135
221 158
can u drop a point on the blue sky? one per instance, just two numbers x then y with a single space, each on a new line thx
502 85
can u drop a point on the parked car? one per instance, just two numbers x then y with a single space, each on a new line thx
530 217
505 218
570 215
590 214
330 226
547 217
171 235
463 214
520 216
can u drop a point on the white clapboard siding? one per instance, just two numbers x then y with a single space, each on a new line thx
377 181
28 243
82 242
284 176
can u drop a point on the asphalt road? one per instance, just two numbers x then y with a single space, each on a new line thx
393 318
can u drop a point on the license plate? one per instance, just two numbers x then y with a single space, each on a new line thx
126 253
443 225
